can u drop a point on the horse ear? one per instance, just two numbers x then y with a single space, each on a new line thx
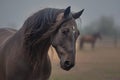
67 12
78 14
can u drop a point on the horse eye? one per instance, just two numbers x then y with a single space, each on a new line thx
65 31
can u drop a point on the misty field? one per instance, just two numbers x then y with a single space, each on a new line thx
102 63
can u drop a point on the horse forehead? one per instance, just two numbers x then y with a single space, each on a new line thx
60 16
71 22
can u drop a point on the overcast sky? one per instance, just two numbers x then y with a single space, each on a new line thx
14 12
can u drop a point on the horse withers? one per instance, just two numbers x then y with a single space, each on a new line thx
24 53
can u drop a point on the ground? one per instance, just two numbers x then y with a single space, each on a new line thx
102 63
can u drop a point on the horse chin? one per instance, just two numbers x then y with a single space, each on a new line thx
66 68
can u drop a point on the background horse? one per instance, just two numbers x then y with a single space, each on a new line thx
89 39
24 53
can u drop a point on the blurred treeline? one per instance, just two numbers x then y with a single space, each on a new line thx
105 25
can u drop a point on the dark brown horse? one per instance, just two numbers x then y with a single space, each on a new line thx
24 53
89 39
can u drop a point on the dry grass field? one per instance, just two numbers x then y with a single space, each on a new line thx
102 63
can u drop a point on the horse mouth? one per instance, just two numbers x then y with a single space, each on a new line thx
65 68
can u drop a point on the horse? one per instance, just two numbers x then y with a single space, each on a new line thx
24 52
90 39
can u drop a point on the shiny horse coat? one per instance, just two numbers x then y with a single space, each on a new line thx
24 53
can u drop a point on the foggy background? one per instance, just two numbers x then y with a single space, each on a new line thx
13 13
99 16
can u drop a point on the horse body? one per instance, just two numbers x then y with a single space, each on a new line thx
24 53
89 39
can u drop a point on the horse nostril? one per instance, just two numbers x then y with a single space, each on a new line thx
67 63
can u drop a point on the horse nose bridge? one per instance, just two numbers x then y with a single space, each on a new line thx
71 47
70 57
71 50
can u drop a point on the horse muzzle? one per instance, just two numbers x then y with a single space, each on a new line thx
67 65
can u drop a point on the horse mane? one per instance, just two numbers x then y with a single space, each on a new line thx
40 25
38 30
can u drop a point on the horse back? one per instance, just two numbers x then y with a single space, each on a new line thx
6 33
87 38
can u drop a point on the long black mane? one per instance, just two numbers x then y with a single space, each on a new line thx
40 23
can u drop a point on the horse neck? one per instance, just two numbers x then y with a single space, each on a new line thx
35 57
16 39
95 36
37 52
39 49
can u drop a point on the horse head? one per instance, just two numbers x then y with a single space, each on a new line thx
64 38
